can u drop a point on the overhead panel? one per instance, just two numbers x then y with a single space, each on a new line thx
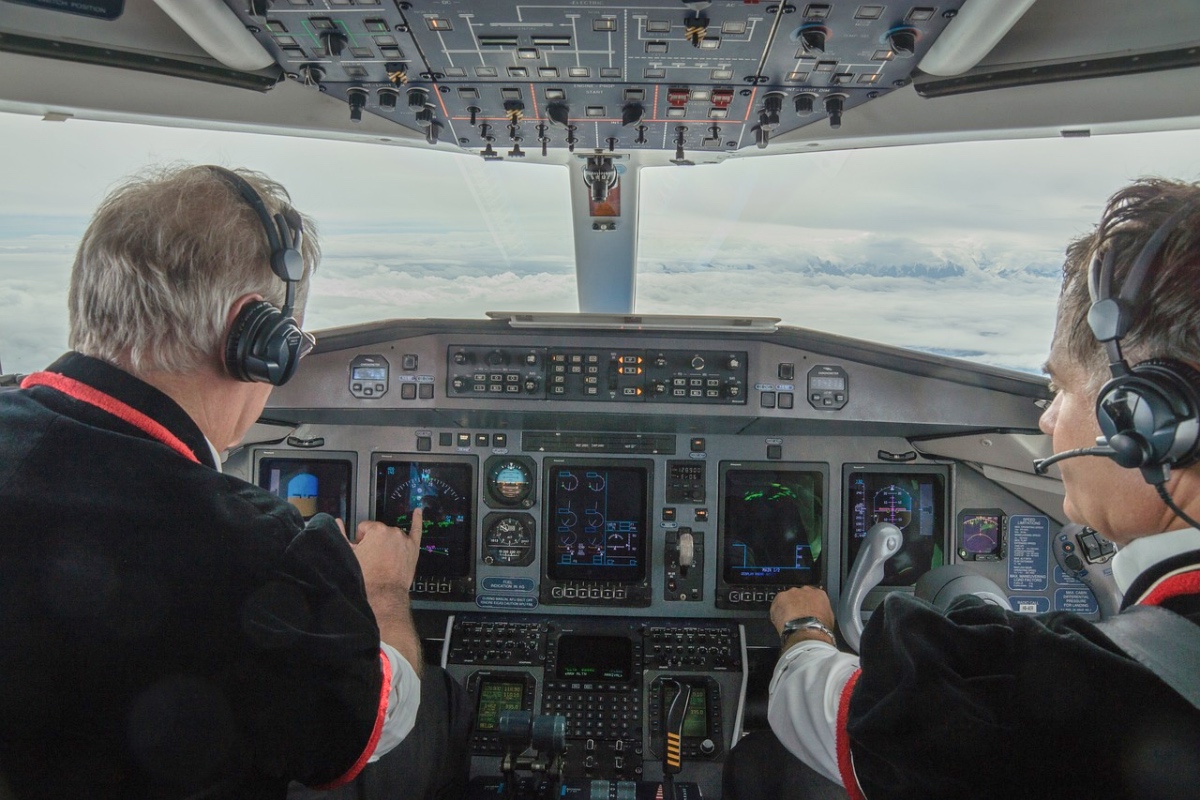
510 80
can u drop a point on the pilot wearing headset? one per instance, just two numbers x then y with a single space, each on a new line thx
167 630
981 702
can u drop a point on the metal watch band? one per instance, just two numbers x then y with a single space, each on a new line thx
804 624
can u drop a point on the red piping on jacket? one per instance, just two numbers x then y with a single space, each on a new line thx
86 394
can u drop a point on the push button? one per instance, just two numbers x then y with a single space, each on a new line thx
767 400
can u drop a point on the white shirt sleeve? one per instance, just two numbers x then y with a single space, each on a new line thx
803 708
403 701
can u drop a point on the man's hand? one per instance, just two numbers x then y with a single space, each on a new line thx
803 601
388 559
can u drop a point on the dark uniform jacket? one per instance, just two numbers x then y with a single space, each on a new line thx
166 630
986 703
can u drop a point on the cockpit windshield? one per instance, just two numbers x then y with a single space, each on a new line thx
953 249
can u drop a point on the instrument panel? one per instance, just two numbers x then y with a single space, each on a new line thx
591 555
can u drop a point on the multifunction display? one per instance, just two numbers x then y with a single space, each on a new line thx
771 529
597 523
311 485
912 499
445 491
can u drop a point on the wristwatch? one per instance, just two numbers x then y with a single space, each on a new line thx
805 624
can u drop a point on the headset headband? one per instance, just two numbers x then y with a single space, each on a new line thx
1110 317
284 232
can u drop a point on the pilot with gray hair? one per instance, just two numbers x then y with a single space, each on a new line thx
167 630
982 702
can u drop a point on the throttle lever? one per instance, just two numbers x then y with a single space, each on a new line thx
881 542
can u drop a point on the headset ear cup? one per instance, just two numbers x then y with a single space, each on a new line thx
1150 415
239 344
263 345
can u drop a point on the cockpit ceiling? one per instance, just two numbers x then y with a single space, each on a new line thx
691 81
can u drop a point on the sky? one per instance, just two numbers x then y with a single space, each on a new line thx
954 249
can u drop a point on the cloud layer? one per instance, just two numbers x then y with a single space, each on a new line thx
954 249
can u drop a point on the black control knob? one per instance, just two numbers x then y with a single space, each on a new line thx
497 358
804 104
424 117
388 99
417 97
697 362
813 39
834 105
463 357
632 114
903 42
433 130
708 747
357 97
311 74
333 42
772 105
559 115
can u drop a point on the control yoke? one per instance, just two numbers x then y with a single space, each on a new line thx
882 542
941 586
1086 556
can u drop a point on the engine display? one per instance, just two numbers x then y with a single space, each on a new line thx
597 522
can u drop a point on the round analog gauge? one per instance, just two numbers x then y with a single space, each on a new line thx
510 482
508 540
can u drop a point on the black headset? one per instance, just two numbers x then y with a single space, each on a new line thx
1149 413
264 343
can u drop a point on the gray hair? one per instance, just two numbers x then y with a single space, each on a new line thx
1166 313
165 257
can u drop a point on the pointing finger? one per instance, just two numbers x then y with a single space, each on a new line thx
414 530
